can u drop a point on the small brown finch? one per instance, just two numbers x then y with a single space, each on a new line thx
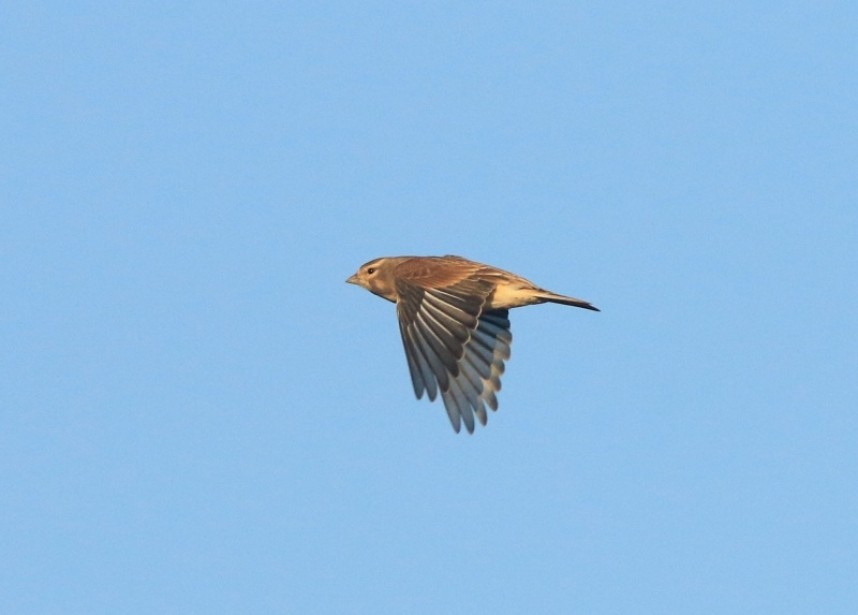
454 319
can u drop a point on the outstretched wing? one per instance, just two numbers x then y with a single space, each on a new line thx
454 345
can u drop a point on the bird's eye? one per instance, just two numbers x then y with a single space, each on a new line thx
371 270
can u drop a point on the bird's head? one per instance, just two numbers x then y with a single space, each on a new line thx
377 277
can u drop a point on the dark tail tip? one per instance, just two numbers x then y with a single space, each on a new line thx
563 300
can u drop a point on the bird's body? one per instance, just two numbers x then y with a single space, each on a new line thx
453 316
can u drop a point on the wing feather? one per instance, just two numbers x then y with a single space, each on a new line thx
453 344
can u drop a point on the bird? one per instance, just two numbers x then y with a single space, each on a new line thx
454 320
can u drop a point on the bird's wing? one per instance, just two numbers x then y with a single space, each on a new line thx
453 344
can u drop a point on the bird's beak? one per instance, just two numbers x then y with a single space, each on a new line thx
352 280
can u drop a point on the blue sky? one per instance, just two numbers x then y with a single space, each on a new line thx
197 414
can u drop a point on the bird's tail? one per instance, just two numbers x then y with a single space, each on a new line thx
547 295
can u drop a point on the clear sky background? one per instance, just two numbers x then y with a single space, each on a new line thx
197 414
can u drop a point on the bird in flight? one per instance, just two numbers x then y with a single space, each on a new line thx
454 320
